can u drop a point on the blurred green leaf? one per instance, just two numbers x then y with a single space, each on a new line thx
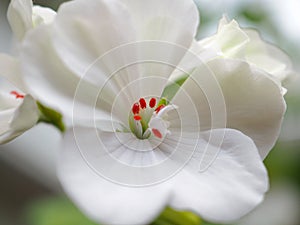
55 211
209 223
61 211
283 162
254 13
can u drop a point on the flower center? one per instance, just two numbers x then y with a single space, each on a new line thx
148 117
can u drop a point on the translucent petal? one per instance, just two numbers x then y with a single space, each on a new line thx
230 187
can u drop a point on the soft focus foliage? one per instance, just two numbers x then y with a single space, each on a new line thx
55 211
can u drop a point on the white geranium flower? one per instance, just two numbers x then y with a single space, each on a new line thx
132 152
18 111
231 41
23 16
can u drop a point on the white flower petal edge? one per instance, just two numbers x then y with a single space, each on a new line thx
102 200
23 16
246 44
231 187
42 15
19 17
254 102
16 116
229 39
267 57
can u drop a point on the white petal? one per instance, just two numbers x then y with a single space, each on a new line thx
267 57
19 16
109 41
241 97
246 44
42 15
223 21
229 39
164 20
232 186
7 99
16 120
254 102
10 70
171 24
197 55
54 84
87 29
201 101
101 199
127 160
5 116
26 115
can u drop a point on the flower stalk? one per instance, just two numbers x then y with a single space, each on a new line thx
50 116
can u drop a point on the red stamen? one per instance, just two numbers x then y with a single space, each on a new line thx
159 108
157 133
152 102
137 117
17 94
136 108
143 103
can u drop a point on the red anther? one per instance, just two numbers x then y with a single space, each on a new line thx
152 102
136 108
157 133
159 108
17 94
137 117
143 103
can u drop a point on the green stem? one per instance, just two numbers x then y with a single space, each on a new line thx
170 216
50 116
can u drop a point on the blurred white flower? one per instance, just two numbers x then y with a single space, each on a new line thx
130 153
23 16
18 111
231 41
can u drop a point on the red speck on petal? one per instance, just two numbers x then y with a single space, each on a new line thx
17 94
137 117
143 103
159 108
152 102
136 108
157 133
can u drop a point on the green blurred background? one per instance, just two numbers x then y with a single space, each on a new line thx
30 193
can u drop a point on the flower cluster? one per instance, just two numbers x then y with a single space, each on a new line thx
157 118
